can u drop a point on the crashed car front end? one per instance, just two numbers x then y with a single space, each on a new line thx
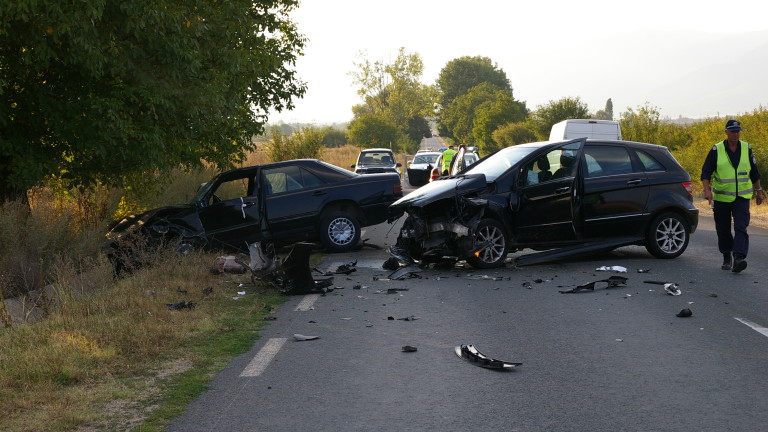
442 221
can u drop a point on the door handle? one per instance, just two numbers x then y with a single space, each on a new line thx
634 182
318 193
562 190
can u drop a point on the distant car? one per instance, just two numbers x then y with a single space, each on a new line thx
421 167
551 195
278 203
376 161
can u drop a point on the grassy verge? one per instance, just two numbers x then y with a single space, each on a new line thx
120 358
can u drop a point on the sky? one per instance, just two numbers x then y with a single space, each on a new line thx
685 58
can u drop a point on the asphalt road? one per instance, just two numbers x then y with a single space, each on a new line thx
614 359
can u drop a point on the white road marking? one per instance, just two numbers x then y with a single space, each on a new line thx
263 357
307 302
756 327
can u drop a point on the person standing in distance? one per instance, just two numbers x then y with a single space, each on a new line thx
447 158
730 178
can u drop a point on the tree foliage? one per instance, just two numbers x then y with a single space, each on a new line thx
491 115
461 74
556 111
306 143
99 91
371 130
393 92
605 114
512 134
641 124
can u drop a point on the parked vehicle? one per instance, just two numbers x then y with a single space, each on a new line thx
376 161
551 195
421 167
278 203
585 128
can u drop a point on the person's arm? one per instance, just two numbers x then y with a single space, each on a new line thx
707 190
754 175
706 174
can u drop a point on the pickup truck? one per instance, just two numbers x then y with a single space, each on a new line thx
278 203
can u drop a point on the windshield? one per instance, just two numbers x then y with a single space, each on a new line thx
425 159
499 163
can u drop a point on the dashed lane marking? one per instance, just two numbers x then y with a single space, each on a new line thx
307 302
756 327
263 357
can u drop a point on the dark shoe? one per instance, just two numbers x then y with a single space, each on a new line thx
739 263
727 261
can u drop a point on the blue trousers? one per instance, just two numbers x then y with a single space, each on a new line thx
734 239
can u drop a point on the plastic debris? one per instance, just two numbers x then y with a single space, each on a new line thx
670 288
409 348
472 355
409 318
301 337
619 269
685 313
643 270
612 282
181 305
405 271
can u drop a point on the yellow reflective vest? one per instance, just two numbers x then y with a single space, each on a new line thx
447 158
728 181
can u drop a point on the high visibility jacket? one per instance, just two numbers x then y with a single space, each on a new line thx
447 158
728 181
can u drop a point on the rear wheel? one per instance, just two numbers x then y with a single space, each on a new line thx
667 236
491 244
339 231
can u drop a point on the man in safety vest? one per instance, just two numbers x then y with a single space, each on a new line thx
447 158
730 178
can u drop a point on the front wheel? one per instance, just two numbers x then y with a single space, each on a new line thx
339 232
667 236
491 245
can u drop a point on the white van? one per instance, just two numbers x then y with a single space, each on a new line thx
578 128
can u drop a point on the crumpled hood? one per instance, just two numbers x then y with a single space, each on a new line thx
442 189
133 222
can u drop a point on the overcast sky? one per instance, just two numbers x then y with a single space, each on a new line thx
692 59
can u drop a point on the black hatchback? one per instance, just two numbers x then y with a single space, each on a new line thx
580 193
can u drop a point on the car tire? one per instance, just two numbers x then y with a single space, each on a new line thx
668 236
339 232
493 255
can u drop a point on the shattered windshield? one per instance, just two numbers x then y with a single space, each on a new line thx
499 163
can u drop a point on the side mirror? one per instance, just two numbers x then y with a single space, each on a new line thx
514 201
352 166
398 164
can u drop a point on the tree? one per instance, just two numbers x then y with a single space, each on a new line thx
458 117
370 131
306 143
334 137
491 115
641 125
512 134
556 111
605 114
461 74
97 92
392 91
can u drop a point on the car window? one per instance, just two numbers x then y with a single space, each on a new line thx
376 158
540 170
229 190
282 179
649 162
425 159
496 165
607 160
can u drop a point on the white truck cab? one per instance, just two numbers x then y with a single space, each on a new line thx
585 128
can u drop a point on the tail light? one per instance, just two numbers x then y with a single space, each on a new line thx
435 174
397 189
688 187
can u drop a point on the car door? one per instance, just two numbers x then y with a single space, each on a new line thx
294 197
615 193
230 215
547 208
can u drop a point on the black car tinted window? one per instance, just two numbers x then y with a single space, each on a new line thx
282 179
649 162
310 180
607 160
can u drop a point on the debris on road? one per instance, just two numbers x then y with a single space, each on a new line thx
670 288
409 348
181 305
405 271
685 313
612 282
619 269
301 337
472 355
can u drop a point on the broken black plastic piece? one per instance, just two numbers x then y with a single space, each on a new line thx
472 355
613 282
404 271
181 305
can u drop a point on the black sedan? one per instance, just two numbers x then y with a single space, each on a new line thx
278 203
578 193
